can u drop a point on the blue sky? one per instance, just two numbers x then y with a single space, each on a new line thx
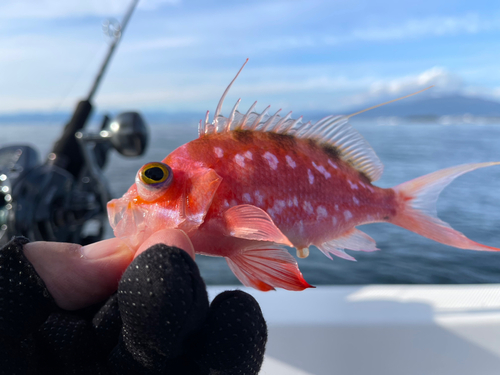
304 54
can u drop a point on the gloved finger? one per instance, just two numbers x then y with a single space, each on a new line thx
234 337
65 344
79 276
169 237
107 325
163 302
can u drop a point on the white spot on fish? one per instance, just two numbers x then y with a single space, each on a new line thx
322 212
278 206
308 207
334 220
355 200
322 170
218 151
295 201
353 185
290 161
248 155
336 207
301 227
347 214
332 164
240 160
270 211
370 188
259 197
369 218
290 203
311 176
225 203
362 184
271 159
247 198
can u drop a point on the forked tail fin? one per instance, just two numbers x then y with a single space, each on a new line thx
417 207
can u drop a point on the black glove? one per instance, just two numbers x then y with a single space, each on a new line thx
159 322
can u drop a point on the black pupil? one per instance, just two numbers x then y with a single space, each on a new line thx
155 173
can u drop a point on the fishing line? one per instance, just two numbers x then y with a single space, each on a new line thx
84 67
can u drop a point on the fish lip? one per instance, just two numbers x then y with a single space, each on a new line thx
123 220
115 216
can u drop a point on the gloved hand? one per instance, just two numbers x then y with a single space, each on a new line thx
158 322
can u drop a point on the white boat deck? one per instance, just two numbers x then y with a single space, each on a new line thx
382 329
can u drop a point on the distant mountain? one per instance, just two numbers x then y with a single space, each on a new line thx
435 107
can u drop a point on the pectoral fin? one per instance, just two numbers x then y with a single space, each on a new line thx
252 223
267 267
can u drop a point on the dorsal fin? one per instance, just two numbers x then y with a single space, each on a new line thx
332 131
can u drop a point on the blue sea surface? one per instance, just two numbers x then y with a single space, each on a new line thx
471 204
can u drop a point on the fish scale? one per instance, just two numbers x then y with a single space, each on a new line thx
340 186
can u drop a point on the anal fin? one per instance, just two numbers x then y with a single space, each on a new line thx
267 267
352 240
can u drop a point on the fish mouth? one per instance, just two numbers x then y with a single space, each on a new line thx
128 221
116 211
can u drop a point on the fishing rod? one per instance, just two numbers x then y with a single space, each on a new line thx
66 153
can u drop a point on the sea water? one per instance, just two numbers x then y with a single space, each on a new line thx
471 204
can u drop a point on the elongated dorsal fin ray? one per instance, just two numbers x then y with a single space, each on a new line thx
390 101
221 101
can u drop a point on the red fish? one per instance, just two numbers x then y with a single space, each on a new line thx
252 184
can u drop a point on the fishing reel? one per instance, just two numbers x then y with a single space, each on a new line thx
50 202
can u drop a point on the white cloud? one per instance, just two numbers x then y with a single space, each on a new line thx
367 91
159 44
12 104
429 26
22 9
495 93
155 4
57 9
416 28
378 91
436 26
47 62
324 92
442 80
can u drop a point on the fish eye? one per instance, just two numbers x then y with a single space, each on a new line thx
155 173
152 180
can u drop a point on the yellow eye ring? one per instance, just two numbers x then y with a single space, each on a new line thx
155 173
